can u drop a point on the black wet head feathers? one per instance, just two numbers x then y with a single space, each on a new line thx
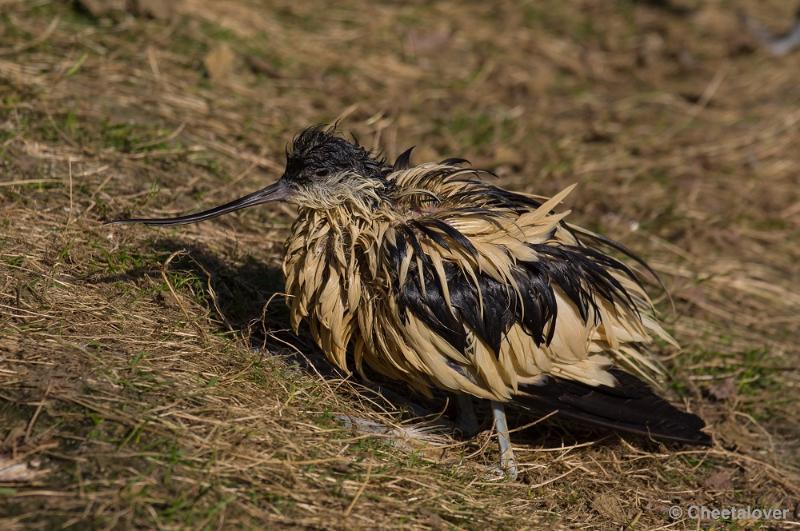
317 153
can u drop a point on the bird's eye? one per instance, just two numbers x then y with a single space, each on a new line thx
322 172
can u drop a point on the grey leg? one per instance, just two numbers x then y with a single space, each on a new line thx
507 461
466 421
776 44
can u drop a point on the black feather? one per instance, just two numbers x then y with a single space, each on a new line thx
582 274
493 197
580 233
499 308
320 149
454 235
630 406
426 302
539 307
430 233
403 161
454 161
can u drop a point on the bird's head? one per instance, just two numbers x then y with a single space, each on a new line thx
323 170
317 153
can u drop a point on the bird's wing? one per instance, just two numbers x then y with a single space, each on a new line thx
489 289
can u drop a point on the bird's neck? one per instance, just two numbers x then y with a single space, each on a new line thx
331 266
339 228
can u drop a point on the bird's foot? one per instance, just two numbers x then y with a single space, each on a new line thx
507 470
508 466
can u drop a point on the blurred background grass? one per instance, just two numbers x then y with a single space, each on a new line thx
130 391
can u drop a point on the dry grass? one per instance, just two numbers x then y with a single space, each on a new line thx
146 376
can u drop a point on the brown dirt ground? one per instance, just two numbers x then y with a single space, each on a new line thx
130 394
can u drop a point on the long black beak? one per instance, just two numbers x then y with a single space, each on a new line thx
274 192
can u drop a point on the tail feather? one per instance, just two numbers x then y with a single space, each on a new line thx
630 406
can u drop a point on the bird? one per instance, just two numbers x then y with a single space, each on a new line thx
434 276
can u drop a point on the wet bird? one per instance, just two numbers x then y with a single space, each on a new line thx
435 277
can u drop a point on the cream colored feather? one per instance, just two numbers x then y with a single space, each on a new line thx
347 288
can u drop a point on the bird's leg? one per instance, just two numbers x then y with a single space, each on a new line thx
466 421
507 461
776 44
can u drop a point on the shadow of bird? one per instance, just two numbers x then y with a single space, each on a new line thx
431 276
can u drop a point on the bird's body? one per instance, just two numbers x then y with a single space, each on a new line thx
449 282
432 276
